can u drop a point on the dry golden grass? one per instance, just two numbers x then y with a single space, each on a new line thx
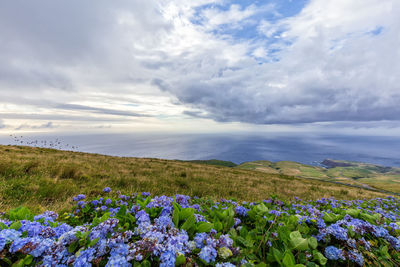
47 179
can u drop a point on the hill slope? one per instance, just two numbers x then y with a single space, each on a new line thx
47 179
348 172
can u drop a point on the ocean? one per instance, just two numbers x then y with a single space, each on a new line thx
235 147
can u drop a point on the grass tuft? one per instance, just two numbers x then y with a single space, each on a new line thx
43 179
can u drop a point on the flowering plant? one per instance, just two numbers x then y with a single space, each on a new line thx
140 230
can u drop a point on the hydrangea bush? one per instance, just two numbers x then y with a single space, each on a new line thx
140 230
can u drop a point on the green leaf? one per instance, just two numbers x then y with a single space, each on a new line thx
218 225
189 223
299 243
146 263
293 220
261 264
295 234
72 247
3 226
15 225
96 221
105 217
28 259
243 231
262 208
277 255
204 227
319 257
328 217
185 213
85 235
175 217
94 242
288 259
180 260
19 263
353 212
312 242
176 206
121 212
220 216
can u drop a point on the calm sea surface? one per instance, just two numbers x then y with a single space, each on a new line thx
304 148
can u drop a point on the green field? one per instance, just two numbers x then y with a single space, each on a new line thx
41 179
352 173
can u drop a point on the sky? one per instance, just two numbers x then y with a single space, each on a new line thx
200 66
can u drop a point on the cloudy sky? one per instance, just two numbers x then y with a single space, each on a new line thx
199 65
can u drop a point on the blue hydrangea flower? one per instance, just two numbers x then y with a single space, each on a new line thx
241 211
356 257
107 190
79 197
337 231
333 253
208 254
167 259
84 258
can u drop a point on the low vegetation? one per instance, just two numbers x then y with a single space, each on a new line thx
42 178
347 172
113 229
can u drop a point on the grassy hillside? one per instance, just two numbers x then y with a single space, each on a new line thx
47 179
354 173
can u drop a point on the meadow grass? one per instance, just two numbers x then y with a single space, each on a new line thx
42 178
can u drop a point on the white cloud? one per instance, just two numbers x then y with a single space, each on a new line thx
149 59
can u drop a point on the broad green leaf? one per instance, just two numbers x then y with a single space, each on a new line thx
328 217
319 257
176 206
204 227
299 243
312 242
146 263
218 226
262 208
122 211
175 217
3 226
28 259
277 255
15 225
295 234
189 223
95 222
19 263
180 260
72 247
185 213
353 212
288 259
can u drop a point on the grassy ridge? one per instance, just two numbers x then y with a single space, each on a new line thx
43 179
354 173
